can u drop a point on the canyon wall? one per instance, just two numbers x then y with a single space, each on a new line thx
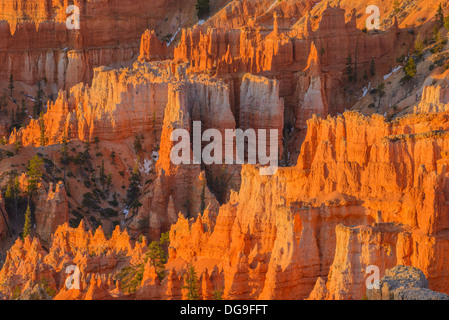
434 99
363 193
308 61
36 44
352 171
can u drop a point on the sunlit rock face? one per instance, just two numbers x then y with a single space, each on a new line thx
362 179
37 44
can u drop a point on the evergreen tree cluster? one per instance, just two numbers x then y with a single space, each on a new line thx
191 283
158 254
203 8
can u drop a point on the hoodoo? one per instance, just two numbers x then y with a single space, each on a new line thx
224 150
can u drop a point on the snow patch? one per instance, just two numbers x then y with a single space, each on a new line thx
392 71
272 5
366 90
145 168
126 211
174 36
155 155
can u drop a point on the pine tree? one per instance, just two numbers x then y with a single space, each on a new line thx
203 8
410 68
108 181
11 84
446 22
34 173
17 146
12 193
86 152
137 144
217 294
440 14
133 192
158 254
191 283
418 47
203 198
64 149
21 113
9 192
96 141
27 226
349 69
102 174
397 6
372 68
43 138
37 108
436 33
381 91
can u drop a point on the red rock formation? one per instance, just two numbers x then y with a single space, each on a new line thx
242 13
321 54
434 99
363 192
51 211
236 50
3 219
151 48
36 43
87 112
284 236
381 245
25 259
28 264
261 107
313 91
149 99
350 170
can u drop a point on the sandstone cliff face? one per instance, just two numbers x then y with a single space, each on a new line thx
261 107
153 99
227 51
314 100
187 101
3 219
308 60
383 245
433 99
347 172
123 103
151 48
36 43
51 211
241 13
286 234
110 109
364 191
